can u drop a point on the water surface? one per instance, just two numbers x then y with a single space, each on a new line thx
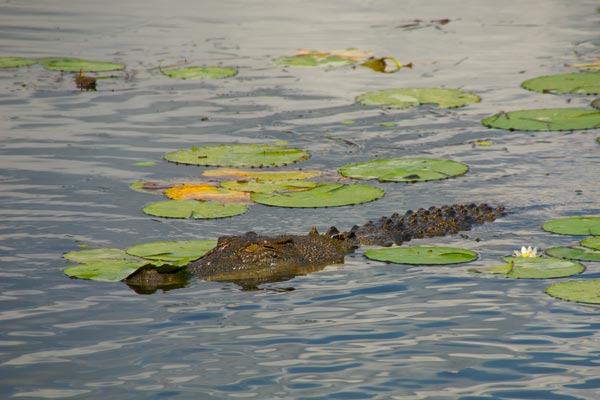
362 330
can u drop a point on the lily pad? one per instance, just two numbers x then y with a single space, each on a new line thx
261 175
207 192
261 186
422 255
592 242
194 209
312 61
105 271
574 226
404 169
575 83
76 65
592 66
145 164
574 253
200 72
546 119
177 253
580 290
14 62
238 155
352 53
412 97
323 195
535 268
108 254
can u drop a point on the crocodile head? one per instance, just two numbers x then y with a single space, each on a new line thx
253 259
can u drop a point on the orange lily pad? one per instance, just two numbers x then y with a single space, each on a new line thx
207 192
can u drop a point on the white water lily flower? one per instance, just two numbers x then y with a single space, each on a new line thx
526 252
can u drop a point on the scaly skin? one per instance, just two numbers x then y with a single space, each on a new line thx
251 259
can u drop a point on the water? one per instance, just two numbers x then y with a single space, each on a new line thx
362 330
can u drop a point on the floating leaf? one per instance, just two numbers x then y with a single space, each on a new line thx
238 155
483 143
261 175
574 226
145 164
194 209
104 271
547 119
537 268
412 97
323 195
580 290
592 242
353 54
150 187
348 122
574 253
176 253
388 124
422 255
576 83
204 191
589 66
499 269
200 72
261 186
311 61
76 65
382 64
108 254
14 62
404 169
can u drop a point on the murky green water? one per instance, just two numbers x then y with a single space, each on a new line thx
362 330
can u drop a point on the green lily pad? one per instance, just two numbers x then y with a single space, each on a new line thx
14 62
596 104
194 209
108 254
76 65
105 271
200 72
540 268
176 253
546 119
312 61
592 242
238 155
145 164
574 226
404 169
412 97
242 174
260 186
323 195
422 255
574 253
575 83
580 290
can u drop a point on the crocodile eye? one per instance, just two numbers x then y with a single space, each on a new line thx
252 248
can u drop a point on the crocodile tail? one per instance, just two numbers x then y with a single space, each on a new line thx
435 221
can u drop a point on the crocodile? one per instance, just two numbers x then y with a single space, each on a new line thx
252 259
